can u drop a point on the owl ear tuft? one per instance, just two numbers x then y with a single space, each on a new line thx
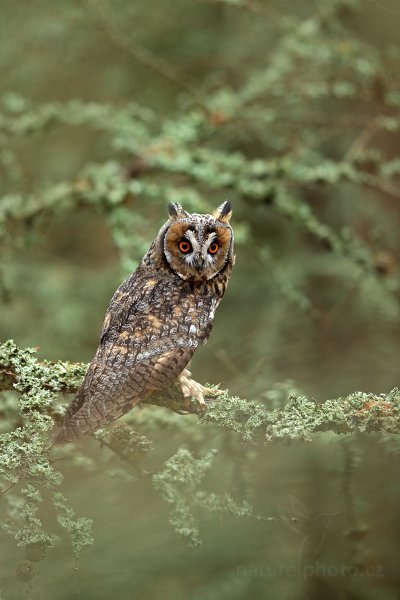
223 212
176 211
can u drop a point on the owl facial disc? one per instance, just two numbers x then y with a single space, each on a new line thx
196 246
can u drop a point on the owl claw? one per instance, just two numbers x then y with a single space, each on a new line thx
192 389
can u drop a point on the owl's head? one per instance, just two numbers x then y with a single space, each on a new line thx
198 247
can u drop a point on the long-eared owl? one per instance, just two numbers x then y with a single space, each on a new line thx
156 319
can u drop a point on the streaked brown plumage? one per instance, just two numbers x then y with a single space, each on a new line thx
156 319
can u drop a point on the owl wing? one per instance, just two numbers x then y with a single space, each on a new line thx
150 333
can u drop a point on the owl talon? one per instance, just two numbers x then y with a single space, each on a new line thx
192 389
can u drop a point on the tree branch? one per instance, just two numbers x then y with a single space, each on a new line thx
299 419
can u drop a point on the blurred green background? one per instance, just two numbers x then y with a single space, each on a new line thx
111 109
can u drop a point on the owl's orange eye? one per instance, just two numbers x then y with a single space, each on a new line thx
213 248
184 246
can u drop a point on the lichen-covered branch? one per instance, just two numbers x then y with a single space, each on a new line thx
299 419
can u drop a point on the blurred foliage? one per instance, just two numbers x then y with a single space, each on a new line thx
110 110
27 465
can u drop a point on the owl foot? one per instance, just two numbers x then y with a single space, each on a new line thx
193 389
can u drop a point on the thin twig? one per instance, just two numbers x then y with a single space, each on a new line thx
141 55
10 487
360 142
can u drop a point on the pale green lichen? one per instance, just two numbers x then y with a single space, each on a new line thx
179 484
26 470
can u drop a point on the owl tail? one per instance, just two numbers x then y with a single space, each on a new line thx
69 432
88 419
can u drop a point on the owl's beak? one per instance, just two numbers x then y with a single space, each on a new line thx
199 263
